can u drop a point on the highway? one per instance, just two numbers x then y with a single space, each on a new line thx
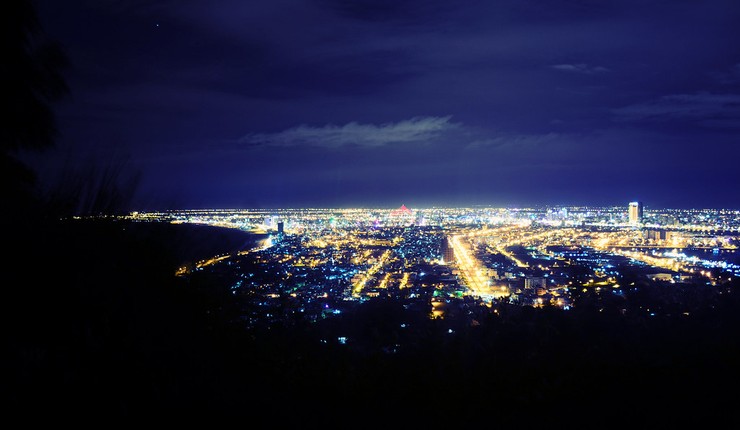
472 270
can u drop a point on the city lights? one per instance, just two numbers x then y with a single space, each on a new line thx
438 257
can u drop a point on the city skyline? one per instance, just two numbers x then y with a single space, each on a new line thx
437 259
264 220
391 207
333 103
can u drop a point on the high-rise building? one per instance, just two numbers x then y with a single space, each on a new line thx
280 227
448 254
535 282
635 213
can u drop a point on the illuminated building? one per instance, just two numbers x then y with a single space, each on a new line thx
536 283
280 226
403 210
656 234
448 253
635 213
401 216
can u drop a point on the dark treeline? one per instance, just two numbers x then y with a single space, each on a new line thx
98 325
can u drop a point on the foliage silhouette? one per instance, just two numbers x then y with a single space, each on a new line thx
32 80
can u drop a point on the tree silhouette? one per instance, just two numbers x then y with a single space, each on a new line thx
31 81
92 188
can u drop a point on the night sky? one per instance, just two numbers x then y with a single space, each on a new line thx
378 103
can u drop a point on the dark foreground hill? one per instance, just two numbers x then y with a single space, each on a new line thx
97 326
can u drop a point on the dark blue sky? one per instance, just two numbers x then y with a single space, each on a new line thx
382 102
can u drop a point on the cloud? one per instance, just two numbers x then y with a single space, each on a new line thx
414 130
524 142
579 68
706 109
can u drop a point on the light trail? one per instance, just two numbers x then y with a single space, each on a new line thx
472 271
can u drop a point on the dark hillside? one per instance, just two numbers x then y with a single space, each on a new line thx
97 324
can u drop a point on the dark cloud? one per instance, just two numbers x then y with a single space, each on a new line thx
399 12
579 68
730 76
703 109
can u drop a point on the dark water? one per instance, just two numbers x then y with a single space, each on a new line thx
189 242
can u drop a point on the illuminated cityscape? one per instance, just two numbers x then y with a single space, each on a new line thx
456 261
358 212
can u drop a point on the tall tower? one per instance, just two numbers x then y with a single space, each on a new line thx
635 213
448 254
280 227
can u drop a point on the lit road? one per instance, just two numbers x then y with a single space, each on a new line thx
472 270
261 245
357 288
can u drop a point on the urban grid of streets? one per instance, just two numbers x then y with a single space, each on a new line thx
438 255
